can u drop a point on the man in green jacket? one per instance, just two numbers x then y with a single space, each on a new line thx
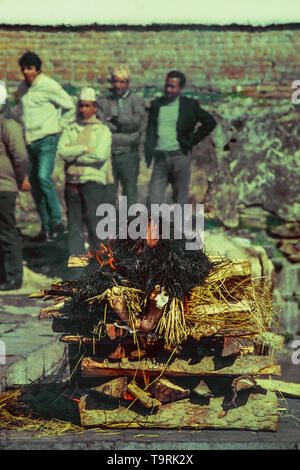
13 164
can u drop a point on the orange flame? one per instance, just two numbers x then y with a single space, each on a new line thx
152 234
127 396
102 254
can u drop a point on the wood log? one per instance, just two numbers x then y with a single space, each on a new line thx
72 339
118 353
38 295
137 353
209 365
51 312
280 387
112 331
237 346
125 339
248 330
167 392
76 261
243 382
115 388
63 288
143 397
203 390
259 413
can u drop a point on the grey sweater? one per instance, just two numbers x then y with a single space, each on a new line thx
13 155
127 120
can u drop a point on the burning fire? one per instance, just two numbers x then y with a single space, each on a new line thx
152 234
103 253
127 396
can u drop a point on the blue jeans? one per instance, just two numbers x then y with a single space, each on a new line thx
42 153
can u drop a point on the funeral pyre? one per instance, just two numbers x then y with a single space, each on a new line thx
168 337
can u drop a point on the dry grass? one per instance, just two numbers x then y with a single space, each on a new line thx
172 324
12 418
126 300
224 302
227 302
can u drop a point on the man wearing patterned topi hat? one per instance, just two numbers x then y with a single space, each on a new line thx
123 111
85 147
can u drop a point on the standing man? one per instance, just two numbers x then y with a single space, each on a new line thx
123 111
42 100
85 147
13 163
172 131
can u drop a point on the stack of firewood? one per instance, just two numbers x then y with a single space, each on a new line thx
198 365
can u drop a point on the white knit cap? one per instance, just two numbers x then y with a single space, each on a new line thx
87 94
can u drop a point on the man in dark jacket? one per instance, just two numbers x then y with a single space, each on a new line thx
13 164
172 131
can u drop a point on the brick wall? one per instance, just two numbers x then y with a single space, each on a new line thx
215 59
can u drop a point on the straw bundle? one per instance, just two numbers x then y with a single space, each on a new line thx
125 301
226 302
172 324
12 418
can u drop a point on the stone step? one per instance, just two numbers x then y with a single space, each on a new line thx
29 350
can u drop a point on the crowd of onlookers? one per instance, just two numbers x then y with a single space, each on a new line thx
98 139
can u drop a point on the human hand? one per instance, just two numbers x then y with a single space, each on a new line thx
26 186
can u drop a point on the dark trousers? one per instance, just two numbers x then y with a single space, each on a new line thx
42 153
82 201
10 243
125 171
174 168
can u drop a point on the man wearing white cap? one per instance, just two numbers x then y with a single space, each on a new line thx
123 111
85 146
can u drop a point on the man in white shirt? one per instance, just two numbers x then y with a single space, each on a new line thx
42 101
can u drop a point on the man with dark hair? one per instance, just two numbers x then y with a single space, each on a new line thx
123 111
41 101
172 131
179 75
13 162
30 59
